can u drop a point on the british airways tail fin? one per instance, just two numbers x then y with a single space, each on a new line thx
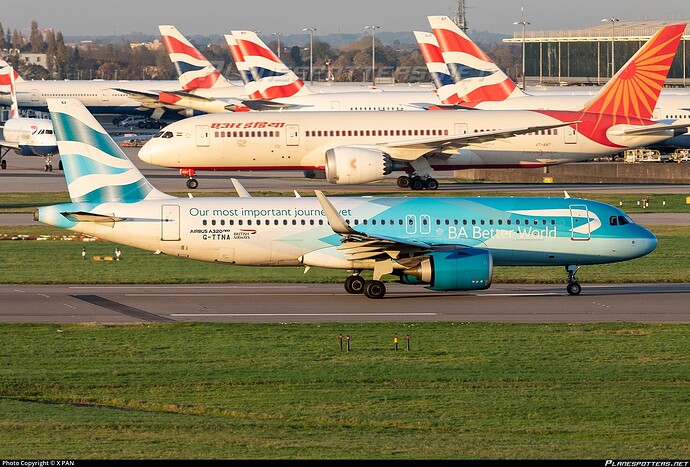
250 84
5 70
96 169
634 90
274 79
193 69
476 76
440 75
14 108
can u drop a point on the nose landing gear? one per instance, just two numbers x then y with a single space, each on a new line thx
573 287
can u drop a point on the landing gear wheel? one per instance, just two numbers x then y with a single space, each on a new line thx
574 288
60 166
431 184
417 184
50 167
404 181
192 183
354 284
374 289
3 164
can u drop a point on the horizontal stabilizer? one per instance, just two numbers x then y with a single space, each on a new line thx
81 216
260 104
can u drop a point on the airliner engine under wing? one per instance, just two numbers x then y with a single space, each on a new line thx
446 243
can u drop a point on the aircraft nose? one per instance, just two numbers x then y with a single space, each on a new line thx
146 154
646 242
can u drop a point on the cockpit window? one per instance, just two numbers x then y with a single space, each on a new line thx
49 132
620 220
164 134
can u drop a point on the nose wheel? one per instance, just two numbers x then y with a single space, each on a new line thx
573 287
192 183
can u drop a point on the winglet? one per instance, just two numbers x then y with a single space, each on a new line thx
241 190
336 221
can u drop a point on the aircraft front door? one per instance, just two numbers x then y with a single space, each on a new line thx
203 137
35 95
579 218
170 222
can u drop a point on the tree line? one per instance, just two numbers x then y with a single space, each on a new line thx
119 59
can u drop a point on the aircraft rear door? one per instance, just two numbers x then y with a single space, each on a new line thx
292 135
35 95
579 218
570 134
170 222
203 137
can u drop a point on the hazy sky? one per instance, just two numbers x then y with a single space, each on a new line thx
191 17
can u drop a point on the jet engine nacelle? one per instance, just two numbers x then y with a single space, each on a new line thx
347 165
466 269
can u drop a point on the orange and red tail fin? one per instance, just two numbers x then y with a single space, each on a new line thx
633 91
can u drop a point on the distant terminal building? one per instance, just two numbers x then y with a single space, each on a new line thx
583 56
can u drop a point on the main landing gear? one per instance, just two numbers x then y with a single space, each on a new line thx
355 284
573 288
416 183
192 182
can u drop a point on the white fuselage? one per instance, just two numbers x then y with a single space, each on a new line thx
32 136
99 96
299 140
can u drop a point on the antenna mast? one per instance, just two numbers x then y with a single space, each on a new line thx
461 18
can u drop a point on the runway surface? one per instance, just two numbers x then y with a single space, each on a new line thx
313 303
27 174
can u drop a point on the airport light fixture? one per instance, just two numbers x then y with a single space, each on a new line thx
373 28
278 34
613 35
311 30
524 25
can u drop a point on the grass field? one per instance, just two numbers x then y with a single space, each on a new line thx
286 391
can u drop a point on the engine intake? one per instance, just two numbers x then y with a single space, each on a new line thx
347 165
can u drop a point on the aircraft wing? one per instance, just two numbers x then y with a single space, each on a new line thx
8 144
414 149
149 99
358 245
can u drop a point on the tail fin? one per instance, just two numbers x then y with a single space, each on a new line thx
250 84
634 90
14 108
440 75
5 70
95 167
274 78
242 67
193 69
477 78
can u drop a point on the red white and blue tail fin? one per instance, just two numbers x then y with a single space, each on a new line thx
14 108
440 75
5 70
273 78
250 84
193 69
477 78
